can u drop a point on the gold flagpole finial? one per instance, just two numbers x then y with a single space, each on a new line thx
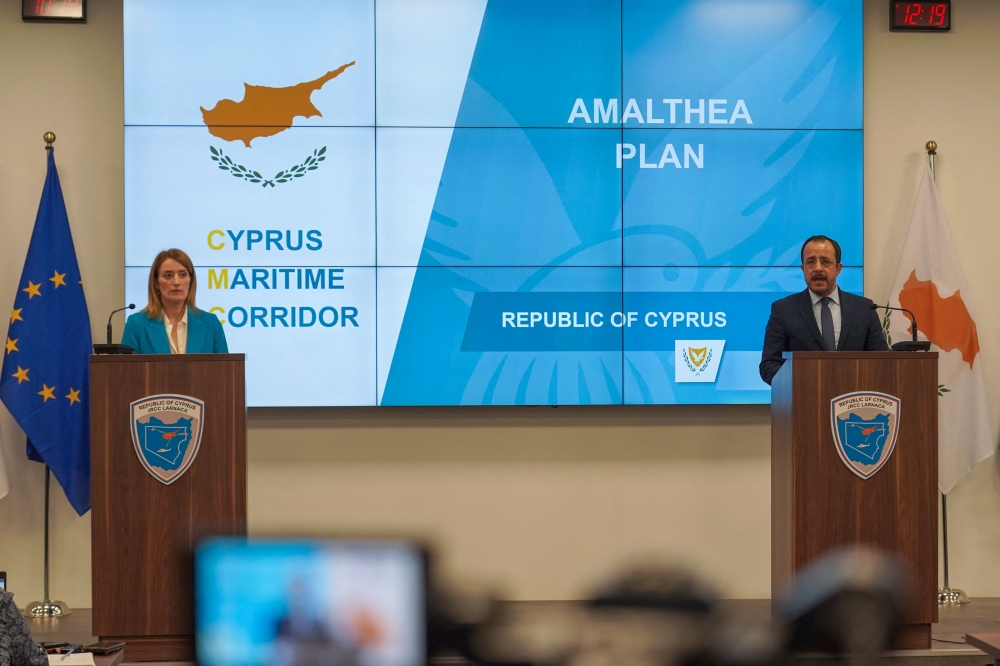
50 138
931 147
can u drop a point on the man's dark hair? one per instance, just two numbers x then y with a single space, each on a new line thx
813 239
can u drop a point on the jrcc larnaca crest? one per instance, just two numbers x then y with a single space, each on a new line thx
166 431
865 425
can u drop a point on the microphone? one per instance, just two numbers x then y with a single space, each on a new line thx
910 345
130 306
913 317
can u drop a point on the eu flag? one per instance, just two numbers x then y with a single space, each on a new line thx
46 365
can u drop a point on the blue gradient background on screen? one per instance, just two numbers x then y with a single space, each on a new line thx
537 198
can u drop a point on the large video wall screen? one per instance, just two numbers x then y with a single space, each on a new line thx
456 202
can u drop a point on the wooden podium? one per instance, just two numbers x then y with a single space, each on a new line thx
143 530
818 502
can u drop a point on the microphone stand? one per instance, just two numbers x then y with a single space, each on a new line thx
109 347
906 345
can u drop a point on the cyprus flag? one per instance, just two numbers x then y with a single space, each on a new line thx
929 282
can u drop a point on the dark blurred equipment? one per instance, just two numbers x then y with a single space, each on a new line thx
846 603
849 601
657 588
647 615
454 615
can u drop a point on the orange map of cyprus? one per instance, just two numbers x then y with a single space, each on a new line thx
265 111
945 321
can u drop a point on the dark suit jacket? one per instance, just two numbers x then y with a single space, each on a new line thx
792 327
149 336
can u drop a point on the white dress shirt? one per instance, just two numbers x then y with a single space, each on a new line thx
818 312
182 332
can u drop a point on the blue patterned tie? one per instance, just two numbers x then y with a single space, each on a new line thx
826 316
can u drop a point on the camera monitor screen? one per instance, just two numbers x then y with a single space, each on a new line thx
299 602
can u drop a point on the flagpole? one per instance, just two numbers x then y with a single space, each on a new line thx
946 595
47 607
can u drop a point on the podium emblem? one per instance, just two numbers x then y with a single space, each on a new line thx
166 432
865 426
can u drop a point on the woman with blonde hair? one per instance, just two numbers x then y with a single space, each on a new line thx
171 323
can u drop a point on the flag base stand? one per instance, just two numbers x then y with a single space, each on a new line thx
46 608
947 595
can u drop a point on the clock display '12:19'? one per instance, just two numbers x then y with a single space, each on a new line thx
54 10
920 16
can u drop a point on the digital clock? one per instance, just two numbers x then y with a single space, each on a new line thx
923 16
74 11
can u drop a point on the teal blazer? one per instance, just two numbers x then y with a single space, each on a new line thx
149 336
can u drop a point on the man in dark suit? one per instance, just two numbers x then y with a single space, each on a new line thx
821 318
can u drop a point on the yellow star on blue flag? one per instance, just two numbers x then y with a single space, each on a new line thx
49 334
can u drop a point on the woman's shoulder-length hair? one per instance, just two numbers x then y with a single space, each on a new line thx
154 309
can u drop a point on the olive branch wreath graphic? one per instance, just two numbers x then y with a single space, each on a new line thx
225 163
693 368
